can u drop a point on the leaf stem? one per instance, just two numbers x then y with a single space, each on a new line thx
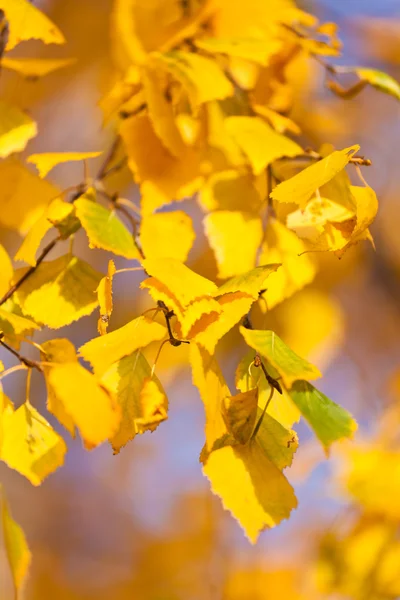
31 364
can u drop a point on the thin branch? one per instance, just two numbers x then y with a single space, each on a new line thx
168 314
31 364
30 271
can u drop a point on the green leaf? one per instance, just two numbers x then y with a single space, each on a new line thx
59 291
329 421
17 549
104 229
278 443
251 282
378 79
289 365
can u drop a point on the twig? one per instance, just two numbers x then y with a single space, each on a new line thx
168 314
31 364
30 271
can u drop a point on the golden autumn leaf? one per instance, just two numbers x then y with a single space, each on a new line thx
17 550
23 196
36 67
6 271
104 295
91 408
259 142
182 282
251 283
46 161
235 238
207 377
59 291
16 129
31 243
29 443
252 49
300 188
283 246
167 235
250 486
162 177
106 349
28 22
12 323
231 190
240 414
140 396
201 78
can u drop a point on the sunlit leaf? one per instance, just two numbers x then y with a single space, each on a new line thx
289 365
252 49
31 243
141 397
164 235
235 238
36 67
231 190
300 188
91 408
16 129
104 294
102 351
378 79
46 161
240 413
329 421
251 283
23 196
28 22
6 271
104 229
59 291
17 549
30 445
201 78
250 486
259 142
283 246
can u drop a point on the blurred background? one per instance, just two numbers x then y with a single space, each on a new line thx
144 524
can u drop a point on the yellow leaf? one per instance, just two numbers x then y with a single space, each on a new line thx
251 487
309 223
142 399
104 294
188 127
23 196
6 271
201 78
230 190
160 292
46 161
182 282
281 407
235 238
161 112
252 49
104 229
240 413
169 235
92 409
59 291
14 324
58 351
279 122
217 135
16 129
29 247
378 79
36 67
259 142
27 22
30 445
289 365
17 549
234 306
196 316
106 349
62 215
207 377
283 246
162 177
251 283
300 188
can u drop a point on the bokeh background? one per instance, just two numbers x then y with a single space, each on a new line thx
144 524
